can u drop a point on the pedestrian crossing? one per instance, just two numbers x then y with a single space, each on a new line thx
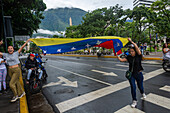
152 98
165 88
158 100
85 99
128 109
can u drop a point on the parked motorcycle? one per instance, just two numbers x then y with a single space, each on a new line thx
166 65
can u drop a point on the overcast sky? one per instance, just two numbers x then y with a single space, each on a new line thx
88 5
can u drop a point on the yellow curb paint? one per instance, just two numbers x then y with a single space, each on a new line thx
145 58
23 100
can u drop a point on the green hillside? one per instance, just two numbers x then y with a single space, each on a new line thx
58 19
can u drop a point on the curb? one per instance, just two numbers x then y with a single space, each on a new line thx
145 58
23 100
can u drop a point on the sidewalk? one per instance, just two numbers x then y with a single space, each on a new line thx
6 106
20 106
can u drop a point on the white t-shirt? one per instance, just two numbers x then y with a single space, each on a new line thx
2 65
166 55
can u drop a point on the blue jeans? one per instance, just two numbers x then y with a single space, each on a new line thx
139 79
29 74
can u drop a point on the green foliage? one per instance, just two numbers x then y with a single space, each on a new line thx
34 48
162 21
58 19
112 22
26 15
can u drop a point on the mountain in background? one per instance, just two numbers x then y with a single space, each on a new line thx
58 19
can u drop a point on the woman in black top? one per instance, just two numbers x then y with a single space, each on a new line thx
134 60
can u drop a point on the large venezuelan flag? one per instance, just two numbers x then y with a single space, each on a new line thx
61 45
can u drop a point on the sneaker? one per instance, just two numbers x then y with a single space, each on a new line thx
27 81
14 99
22 95
144 96
134 104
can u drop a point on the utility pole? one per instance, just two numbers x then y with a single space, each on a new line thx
4 28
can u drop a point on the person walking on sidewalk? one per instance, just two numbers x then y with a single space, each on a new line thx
134 60
14 71
3 73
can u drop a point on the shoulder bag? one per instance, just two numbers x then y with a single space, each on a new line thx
129 73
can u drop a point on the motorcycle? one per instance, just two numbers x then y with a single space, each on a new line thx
35 85
124 54
166 65
45 75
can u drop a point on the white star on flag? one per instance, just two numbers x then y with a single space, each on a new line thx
98 42
118 44
59 50
44 51
73 48
88 45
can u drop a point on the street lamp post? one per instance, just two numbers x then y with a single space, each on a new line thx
4 28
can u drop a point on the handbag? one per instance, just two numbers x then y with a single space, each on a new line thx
129 73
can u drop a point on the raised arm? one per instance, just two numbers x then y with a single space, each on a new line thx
136 47
23 46
1 42
121 59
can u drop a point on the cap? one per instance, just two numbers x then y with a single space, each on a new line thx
32 55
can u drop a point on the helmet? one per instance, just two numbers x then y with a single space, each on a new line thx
36 55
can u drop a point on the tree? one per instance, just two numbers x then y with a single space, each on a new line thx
162 21
95 22
73 32
34 48
26 15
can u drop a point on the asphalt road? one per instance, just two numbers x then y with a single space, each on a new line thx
92 85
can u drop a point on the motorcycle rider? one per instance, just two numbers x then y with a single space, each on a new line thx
31 64
166 52
38 58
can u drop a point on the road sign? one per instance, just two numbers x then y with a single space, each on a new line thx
22 38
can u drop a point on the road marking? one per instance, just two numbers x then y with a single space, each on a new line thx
105 73
62 79
122 65
129 109
93 65
78 101
81 75
68 83
165 88
71 62
158 100
86 98
113 68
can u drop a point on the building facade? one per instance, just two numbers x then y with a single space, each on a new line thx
147 3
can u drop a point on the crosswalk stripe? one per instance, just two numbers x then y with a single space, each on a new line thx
129 109
165 88
158 100
122 65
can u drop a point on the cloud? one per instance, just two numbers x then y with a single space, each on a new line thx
49 32
88 5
